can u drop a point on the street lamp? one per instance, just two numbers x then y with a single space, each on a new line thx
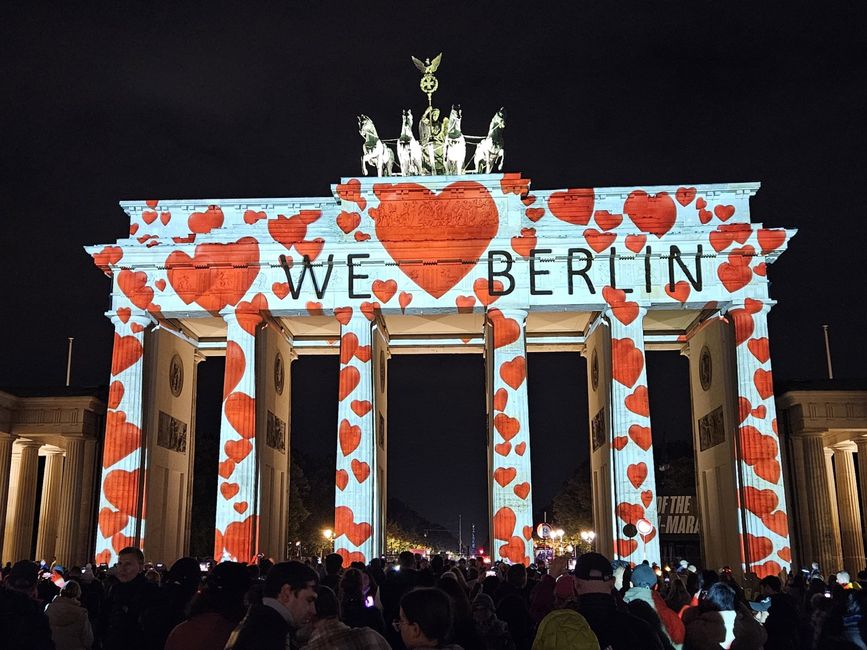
588 536
329 535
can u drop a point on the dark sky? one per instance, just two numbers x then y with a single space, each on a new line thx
132 101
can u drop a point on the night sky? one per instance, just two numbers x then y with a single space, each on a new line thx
113 103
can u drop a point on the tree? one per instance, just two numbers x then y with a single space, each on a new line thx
573 505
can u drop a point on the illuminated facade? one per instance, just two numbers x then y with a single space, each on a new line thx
463 264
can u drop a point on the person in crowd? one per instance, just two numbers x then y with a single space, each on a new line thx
288 596
716 622
644 583
542 599
398 582
513 606
23 623
619 630
782 622
678 597
70 626
333 567
178 587
92 593
493 632
327 632
425 619
215 611
565 594
354 608
565 629
129 616
463 626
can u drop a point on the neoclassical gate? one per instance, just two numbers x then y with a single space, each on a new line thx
479 264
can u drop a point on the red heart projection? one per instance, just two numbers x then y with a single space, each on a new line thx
344 524
505 475
226 468
314 308
624 311
758 547
119 542
204 222
528 532
519 449
480 288
251 216
768 469
350 437
249 313
630 512
343 315
369 309
534 214
134 286
514 551
785 553
240 507
681 291
111 522
506 330
504 523
287 231
237 450
361 236
384 290
522 490
744 325
503 448
777 522
348 221
599 241
685 195
108 255
654 214
349 558
639 402
361 470
641 436
507 427
769 568
240 411
525 243
647 498
341 479
636 474
501 398
280 289
127 350
403 228
770 240
759 412
348 346
528 200
349 379
724 212
619 442
514 184
121 438
764 381
735 274
363 353
121 490
238 538
607 220
360 407
229 490
759 502
404 299
755 446
123 313
235 366
514 372
351 191
627 361
115 394
744 408
635 243
214 288
573 206
760 349
626 547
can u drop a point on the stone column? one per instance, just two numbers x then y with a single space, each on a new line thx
633 475
46 537
355 493
6 440
70 503
764 520
826 544
237 519
198 357
19 522
862 472
851 531
834 510
121 507
511 500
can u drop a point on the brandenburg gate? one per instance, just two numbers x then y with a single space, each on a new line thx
479 263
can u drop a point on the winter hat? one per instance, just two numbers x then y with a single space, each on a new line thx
565 629
24 575
643 576
565 588
485 602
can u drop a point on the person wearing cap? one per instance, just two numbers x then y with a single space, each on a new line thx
613 627
719 623
782 620
23 623
70 627
329 633
644 583
215 611
493 632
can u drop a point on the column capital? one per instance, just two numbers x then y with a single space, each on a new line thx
248 319
8 436
28 443
829 452
861 443
515 313
632 312
751 305
136 317
847 446
198 357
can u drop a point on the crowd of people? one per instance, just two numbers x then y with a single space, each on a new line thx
589 603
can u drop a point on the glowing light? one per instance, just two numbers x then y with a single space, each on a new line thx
644 526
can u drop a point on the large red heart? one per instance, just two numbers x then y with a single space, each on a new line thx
503 448
506 426
115 394
785 554
760 349
627 361
360 469
238 539
349 378
240 410
755 446
769 568
764 381
127 350
504 523
759 502
121 490
344 524
636 474
758 547
744 324
501 398
237 450
641 436
120 542
525 243
522 490
630 512
626 547
194 280
685 195
341 478
350 437
653 214
608 221
235 365
639 402
384 289
121 438
599 241
647 497
744 408
108 255
635 242
134 285
506 330
681 291
505 475
480 288
360 407
111 521
514 372
777 522
418 228
768 469
350 557
624 311
229 490
573 206
770 240
204 222
521 448
288 231
348 346
515 551
734 276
